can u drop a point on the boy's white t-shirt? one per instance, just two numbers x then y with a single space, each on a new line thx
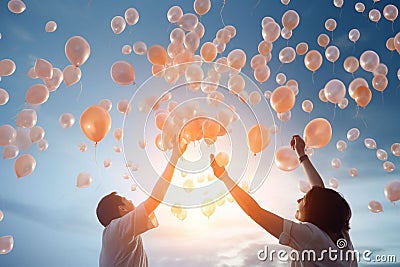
306 237
122 244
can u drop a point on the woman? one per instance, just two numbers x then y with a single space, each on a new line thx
322 236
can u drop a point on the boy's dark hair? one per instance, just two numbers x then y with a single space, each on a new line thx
327 209
107 209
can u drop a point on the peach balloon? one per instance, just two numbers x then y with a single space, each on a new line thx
351 64
374 15
396 42
379 82
258 138
10 152
27 118
32 74
201 6
323 40
265 47
16 6
174 14
271 32
330 24
317 133
362 96
123 73
355 84
118 24
307 106
359 7
157 55
4 97
282 99
354 35
7 135
43 69
188 22
211 128
55 81
290 20
222 159
301 48
208 51
157 71
369 60
66 120
262 73
139 48
335 90
177 35
71 75
126 49
286 159
77 50
160 119
392 190
24 165
7 67
106 104
236 59
37 94
51 26
83 180
375 206
192 41
332 53
390 12
313 60
131 16
95 123
124 107
36 134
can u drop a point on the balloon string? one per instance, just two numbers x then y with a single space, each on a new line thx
254 7
363 120
312 78
358 108
333 68
354 47
393 26
98 167
220 13
383 101
334 114
340 13
80 92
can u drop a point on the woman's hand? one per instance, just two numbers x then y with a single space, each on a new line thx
178 149
218 170
298 144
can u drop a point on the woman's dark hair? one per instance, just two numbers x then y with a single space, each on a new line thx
107 209
327 209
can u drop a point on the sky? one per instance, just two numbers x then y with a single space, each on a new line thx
53 222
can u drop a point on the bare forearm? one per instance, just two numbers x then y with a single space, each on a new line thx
312 174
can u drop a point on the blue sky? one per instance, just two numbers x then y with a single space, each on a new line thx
53 222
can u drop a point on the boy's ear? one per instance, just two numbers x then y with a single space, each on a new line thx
121 208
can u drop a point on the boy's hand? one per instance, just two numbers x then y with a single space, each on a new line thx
298 144
218 170
179 147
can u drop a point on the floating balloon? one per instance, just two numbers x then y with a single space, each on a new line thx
341 145
118 24
71 75
254 98
282 99
258 138
27 118
10 152
359 7
258 61
139 48
51 26
7 67
174 14
374 15
262 73
77 50
304 186
307 106
123 73
284 116
208 207
321 95
16 6
157 55
188 22
280 78
375 206
330 25
271 31
286 159
354 35
36 134
334 183
369 60
43 69
381 154
37 94
395 148
353 134
381 70
24 165
323 40
380 82
388 166
66 120
390 12
23 139
83 180
370 143
7 135
353 172
362 95
290 19
55 81
95 123
265 47
313 60
392 190
131 16
317 133
7 242
123 106
335 90
201 6
351 64
82 147
336 163
106 104
287 55
332 53
301 48
42 145
222 159
126 49
208 52
236 59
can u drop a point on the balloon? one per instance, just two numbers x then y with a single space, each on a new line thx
375 206
370 143
374 15
369 60
287 55
262 73
304 186
354 35
123 73
317 133
258 138
51 26
236 59
284 116
353 172
107 163
194 75
83 180
330 25
201 6
290 19
301 48
231 29
258 61
355 84
362 96
43 69
271 31
157 55
285 2
106 104
307 106
332 53
380 82
222 159
323 40
31 72
7 242
236 84
36 134
23 139
27 118
37 94
177 36
42 145
353 134
395 148
265 47
351 64
396 43
140 48
313 60
282 99
254 98
338 3
321 95
392 190
208 209
71 75
341 145
280 78
126 49
95 123
67 120
191 42
286 34
334 183
381 69
7 67
188 22
336 163
210 128
82 147
208 52
359 7
131 16
118 24
267 94
7 135
77 50
286 159
55 81
335 90
123 106
266 20
24 165
10 152
390 44
390 12
16 6
174 14
388 166
381 154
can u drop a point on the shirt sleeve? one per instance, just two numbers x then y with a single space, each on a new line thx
296 235
137 221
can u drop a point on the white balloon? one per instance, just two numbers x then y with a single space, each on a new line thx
84 179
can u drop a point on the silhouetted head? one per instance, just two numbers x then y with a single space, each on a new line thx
326 209
112 206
